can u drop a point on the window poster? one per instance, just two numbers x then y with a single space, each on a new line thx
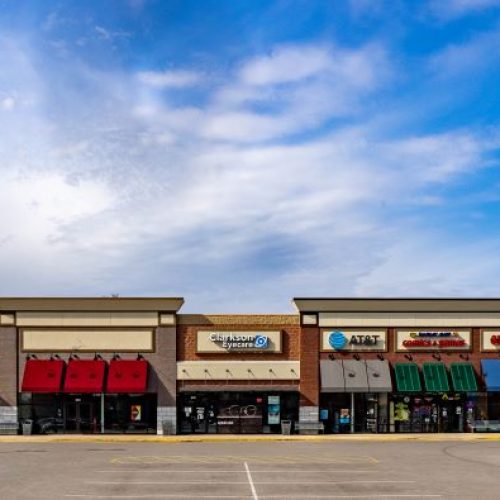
135 413
273 410
345 416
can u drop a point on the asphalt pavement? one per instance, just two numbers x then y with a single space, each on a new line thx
251 470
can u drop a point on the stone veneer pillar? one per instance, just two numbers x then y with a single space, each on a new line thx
166 420
8 381
163 379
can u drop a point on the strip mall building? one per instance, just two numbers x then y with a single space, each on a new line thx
137 365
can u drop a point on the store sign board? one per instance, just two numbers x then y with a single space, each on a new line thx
429 339
490 340
349 340
238 341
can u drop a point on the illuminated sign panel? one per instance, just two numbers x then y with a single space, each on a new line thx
238 341
490 340
442 339
353 340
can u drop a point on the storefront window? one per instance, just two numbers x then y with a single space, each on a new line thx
130 413
46 411
432 412
368 415
236 413
81 413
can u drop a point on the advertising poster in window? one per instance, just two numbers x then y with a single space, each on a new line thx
273 410
345 416
135 413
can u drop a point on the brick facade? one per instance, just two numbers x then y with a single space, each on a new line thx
309 366
473 356
189 324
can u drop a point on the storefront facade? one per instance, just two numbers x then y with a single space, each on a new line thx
435 360
125 365
89 365
237 374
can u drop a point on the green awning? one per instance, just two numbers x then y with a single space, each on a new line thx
463 377
436 377
407 377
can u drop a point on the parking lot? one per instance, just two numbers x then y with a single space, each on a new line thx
250 470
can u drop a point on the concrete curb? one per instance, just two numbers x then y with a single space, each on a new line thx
361 438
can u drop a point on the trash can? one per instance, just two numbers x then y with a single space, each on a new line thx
286 427
27 427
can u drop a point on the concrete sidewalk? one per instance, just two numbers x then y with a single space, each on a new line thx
208 438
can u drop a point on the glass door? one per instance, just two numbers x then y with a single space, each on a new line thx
85 421
70 416
81 415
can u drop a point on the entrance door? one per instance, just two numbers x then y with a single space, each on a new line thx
196 415
452 416
79 416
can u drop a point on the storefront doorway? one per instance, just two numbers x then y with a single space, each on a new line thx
358 412
81 415
236 413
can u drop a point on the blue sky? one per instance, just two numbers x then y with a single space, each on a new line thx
240 153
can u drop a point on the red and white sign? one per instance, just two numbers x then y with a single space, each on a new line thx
433 339
490 340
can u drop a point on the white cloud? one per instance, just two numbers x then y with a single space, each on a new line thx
297 88
124 190
476 55
286 64
450 9
433 266
291 64
7 103
105 34
169 79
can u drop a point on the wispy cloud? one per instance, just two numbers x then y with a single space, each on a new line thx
450 9
296 88
106 34
286 64
128 189
476 54
166 79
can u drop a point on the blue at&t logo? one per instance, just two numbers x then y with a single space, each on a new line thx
261 341
337 340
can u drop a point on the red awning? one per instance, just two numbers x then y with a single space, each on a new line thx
127 376
86 376
42 375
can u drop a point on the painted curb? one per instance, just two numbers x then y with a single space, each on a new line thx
251 438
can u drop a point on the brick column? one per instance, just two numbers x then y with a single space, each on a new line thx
8 381
309 374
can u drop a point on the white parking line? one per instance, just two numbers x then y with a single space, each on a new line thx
76 495
142 483
267 471
352 496
243 496
364 481
250 480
